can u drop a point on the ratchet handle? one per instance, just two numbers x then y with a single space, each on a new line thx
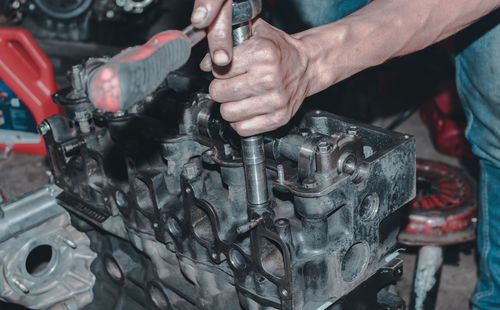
137 71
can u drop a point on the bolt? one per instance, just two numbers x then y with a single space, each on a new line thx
191 170
309 183
352 130
325 147
44 128
304 132
228 150
248 226
119 113
70 243
21 286
76 77
282 222
281 173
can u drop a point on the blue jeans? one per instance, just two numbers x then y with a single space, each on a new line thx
478 81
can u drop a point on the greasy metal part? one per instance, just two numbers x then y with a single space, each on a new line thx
163 194
246 10
252 151
252 148
176 199
241 33
243 13
134 6
45 261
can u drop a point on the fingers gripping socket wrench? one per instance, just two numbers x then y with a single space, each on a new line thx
136 72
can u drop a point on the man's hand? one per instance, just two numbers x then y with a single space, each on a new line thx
266 83
216 15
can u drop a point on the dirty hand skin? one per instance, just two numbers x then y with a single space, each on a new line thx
273 72
265 84
216 16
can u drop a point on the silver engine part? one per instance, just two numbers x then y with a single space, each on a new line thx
45 261
160 192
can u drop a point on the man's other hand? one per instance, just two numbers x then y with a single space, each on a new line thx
265 84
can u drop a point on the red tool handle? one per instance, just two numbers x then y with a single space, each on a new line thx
137 71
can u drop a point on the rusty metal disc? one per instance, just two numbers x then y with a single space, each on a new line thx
444 210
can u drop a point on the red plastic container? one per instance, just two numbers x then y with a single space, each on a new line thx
26 85
446 121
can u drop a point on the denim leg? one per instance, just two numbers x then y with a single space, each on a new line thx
298 15
319 12
478 81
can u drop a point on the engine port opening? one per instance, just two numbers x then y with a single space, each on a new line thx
237 259
271 257
355 261
38 259
201 224
369 207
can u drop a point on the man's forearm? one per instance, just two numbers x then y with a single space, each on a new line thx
382 30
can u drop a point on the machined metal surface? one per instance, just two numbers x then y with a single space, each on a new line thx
45 261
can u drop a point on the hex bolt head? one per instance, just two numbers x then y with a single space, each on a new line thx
43 128
190 170
309 183
325 147
352 130
284 292
119 113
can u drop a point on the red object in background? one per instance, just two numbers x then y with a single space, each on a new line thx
27 72
445 207
444 116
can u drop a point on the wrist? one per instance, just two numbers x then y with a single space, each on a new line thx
324 48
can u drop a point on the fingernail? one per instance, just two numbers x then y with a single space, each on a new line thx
205 64
199 15
221 57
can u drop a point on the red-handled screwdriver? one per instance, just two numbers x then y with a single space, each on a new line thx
137 71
